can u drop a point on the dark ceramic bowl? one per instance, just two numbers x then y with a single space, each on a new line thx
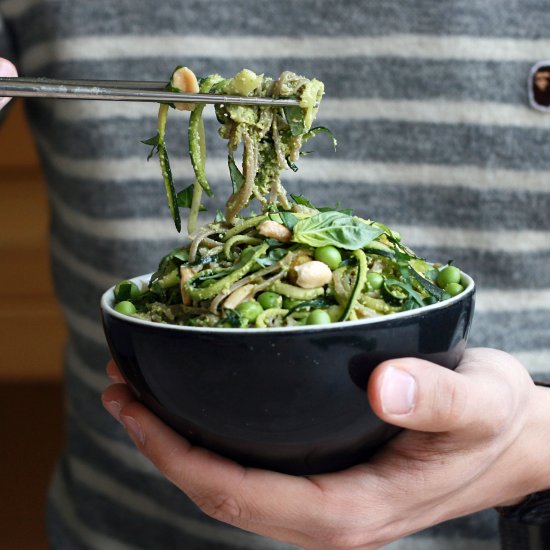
286 399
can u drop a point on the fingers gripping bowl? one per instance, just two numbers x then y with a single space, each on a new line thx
291 399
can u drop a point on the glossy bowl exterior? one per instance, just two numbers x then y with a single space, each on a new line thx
286 399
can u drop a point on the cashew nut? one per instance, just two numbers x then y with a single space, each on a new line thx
313 274
242 294
185 80
300 258
275 230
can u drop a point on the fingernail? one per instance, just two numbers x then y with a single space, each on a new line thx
111 372
113 407
7 68
113 377
133 428
398 392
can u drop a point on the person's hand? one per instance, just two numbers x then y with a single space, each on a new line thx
476 438
7 68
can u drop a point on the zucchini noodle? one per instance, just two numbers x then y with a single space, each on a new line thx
293 264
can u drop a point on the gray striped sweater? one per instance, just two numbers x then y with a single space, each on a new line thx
428 100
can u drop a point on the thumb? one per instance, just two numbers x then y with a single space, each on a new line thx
6 69
419 395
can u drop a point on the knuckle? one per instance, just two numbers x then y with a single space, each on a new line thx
168 462
221 506
500 415
451 396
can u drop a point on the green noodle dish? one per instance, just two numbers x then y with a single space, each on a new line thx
290 263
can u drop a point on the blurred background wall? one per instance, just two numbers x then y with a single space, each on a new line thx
31 327
31 342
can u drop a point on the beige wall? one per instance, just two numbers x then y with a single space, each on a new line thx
31 327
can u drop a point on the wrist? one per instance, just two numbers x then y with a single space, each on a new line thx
526 525
529 468
533 449
539 451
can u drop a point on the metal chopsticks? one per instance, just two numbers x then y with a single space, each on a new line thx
121 90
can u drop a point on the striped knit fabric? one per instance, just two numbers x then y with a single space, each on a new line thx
428 100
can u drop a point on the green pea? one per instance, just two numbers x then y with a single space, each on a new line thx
449 274
270 300
126 290
335 312
453 289
329 255
250 309
318 317
125 307
374 280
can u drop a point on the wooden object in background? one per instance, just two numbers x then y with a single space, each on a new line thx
32 331
31 441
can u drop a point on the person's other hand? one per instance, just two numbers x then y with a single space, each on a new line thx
7 68
475 438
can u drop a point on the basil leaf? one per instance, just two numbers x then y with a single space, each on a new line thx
237 179
303 201
406 291
295 118
220 216
316 130
184 198
288 219
273 256
275 244
335 228
154 141
348 211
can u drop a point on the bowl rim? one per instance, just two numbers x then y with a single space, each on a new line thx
107 300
